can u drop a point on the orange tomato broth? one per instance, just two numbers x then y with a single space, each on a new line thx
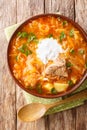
28 69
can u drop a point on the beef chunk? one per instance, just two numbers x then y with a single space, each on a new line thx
58 68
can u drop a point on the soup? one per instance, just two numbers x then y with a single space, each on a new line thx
48 55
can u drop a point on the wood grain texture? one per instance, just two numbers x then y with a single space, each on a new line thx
81 117
7 13
11 96
65 7
81 13
81 18
29 8
7 86
63 120
7 90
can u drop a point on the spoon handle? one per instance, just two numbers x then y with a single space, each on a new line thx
78 96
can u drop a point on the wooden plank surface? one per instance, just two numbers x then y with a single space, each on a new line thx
81 13
65 7
7 85
7 13
11 96
7 90
81 18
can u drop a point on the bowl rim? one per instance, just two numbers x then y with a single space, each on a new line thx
77 85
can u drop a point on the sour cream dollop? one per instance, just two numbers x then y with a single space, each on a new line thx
48 49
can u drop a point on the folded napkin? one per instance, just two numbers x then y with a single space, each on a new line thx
30 98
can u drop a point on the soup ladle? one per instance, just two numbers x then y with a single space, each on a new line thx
34 111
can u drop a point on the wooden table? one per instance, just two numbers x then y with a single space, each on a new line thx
11 96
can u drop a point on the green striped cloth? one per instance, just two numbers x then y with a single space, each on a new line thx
30 98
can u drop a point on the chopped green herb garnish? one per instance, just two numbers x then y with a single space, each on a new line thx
30 87
28 52
54 91
24 49
50 35
65 23
86 65
36 40
16 58
31 37
70 82
72 51
81 51
62 36
68 64
19 33
22 34
71 33
39 88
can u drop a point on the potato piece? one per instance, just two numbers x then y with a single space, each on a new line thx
48 86
31 79
76 35
60 87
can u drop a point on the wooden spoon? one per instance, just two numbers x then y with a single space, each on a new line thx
34 111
